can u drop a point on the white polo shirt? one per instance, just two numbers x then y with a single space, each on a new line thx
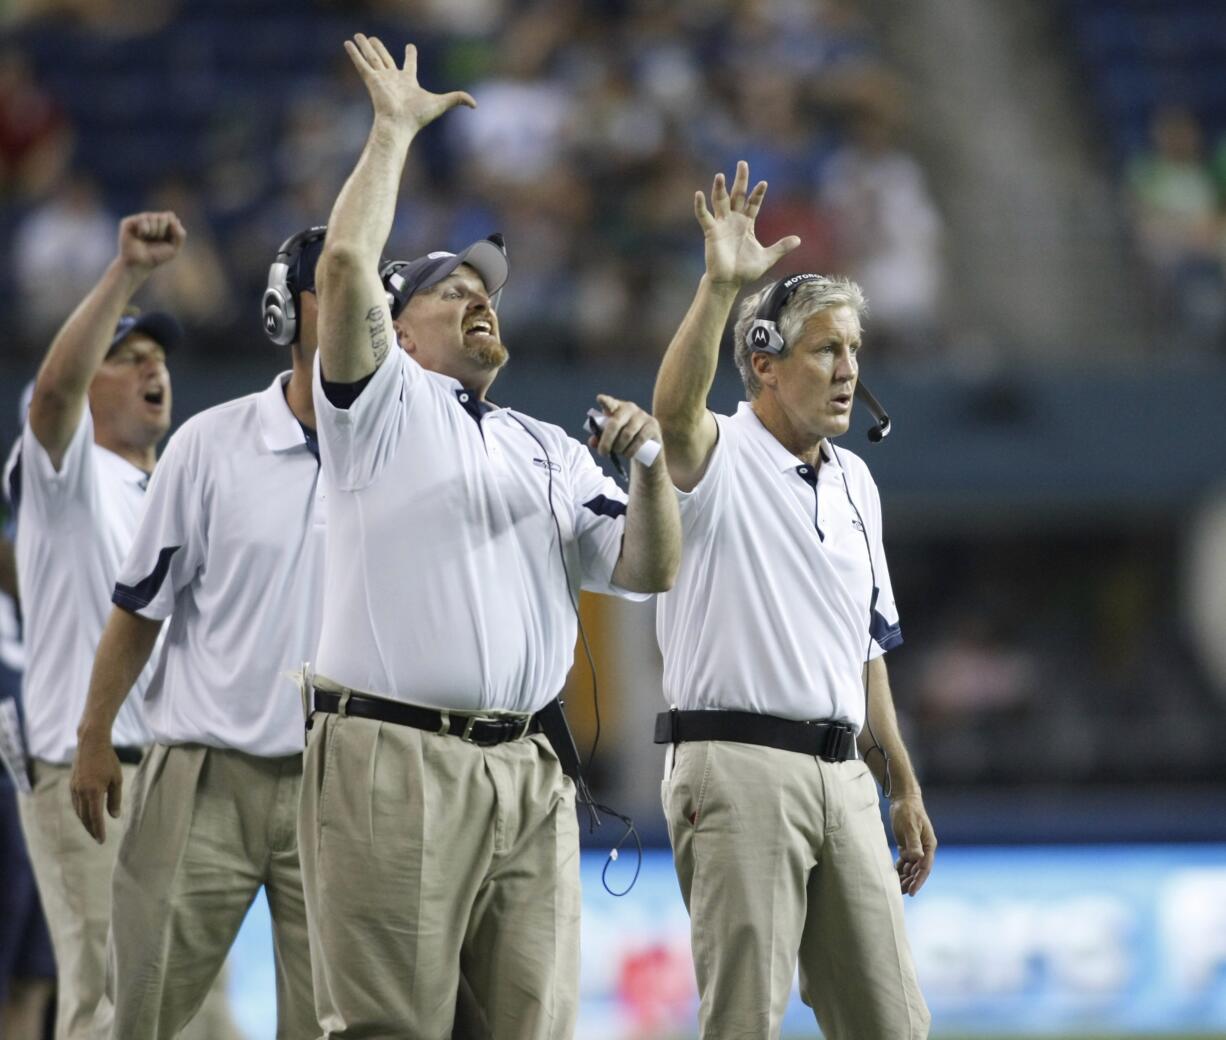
445 586
770 612
231 550
74 528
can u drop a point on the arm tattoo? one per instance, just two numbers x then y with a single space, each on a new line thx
378 333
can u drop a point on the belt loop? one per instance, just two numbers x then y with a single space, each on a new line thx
672 725
445 726
342 709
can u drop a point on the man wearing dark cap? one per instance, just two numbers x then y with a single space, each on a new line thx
101 404
438 829
229 555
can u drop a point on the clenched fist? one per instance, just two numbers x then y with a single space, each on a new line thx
148 240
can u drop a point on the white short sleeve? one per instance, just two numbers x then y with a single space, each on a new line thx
355 443
45 491
698 506
599 514
170 544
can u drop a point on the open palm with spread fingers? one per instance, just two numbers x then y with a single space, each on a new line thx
733 253
395 93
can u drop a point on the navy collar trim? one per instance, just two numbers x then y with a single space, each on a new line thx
473 405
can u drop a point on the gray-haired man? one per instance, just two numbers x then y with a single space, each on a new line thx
773 640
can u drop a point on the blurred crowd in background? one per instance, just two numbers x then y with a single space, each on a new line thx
597 121
1052 643
1154 72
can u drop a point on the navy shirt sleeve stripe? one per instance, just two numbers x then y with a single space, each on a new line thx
138 596
887 636
602 505
342 395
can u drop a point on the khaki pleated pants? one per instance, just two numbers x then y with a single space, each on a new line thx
782 858
425 857
208 828
74 877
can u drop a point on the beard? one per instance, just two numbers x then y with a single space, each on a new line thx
487 352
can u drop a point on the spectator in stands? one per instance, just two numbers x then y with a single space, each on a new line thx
887 231
196 287
35 136
59 251
1174 206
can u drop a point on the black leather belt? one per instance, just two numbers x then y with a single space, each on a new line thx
483 730
832 741
130 756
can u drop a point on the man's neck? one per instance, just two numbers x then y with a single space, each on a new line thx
800 443
298 389
143 459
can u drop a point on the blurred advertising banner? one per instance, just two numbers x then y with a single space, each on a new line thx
1008 941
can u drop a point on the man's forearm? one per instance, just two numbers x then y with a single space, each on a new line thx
355 333
362 215
83 340
75 354
123 651
884 727
651 543
689 364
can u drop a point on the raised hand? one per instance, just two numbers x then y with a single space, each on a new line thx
148 240
733 253
395 93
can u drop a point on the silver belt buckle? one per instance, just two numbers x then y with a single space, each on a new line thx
472 721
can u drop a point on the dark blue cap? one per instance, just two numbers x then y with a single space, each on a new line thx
157 325
403 278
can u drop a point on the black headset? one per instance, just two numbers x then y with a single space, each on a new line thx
280 304
763 336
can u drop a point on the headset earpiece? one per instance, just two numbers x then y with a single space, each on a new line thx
280 317
279 311
763 336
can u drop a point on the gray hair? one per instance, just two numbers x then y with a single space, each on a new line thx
810 298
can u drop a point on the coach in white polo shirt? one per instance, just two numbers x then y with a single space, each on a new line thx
773 640
100 406
231 552
438 830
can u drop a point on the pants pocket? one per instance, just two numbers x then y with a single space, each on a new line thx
685 792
